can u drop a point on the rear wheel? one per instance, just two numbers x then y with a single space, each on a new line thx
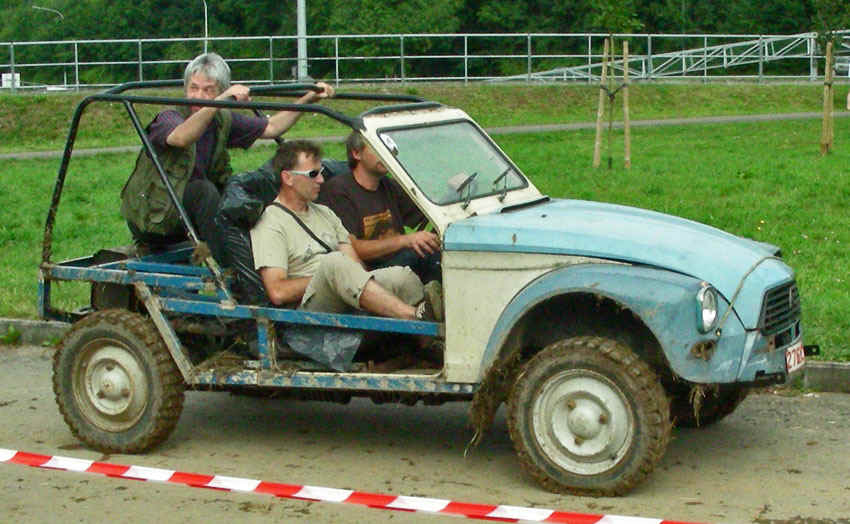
588 416
116 384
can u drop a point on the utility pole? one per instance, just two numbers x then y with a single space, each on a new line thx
302 39
206 27
61 19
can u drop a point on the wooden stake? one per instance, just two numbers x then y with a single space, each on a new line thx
825 141
831 112
831 84
597 145
626 126
612 78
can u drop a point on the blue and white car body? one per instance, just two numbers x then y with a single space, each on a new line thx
507 249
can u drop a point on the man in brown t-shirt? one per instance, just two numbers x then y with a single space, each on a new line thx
375 210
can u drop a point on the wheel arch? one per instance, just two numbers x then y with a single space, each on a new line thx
581 312
649 309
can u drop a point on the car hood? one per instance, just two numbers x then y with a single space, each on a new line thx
627 234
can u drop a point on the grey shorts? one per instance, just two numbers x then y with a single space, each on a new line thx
338 283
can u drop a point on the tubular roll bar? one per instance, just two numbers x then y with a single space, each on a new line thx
115 94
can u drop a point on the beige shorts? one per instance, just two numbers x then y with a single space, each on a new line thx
338 283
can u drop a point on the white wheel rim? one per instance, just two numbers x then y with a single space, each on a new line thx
582 422
110 385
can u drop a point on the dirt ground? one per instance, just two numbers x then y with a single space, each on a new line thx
779 459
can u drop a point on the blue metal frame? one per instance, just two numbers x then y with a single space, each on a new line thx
165 285
339 381
294 316
163 276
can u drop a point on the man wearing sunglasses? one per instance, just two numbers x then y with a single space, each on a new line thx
376 210
304 256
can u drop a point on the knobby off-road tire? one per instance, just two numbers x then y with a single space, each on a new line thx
714 406
116 384
587 416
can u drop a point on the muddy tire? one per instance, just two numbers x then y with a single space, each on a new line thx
587 416
116 384
715 406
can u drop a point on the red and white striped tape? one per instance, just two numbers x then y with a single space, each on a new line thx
318 494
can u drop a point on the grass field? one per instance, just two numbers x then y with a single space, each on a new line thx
39 122
765 181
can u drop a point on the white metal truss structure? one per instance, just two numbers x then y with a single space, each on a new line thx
699 62
570 57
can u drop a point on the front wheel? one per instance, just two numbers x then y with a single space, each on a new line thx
116 384
588 416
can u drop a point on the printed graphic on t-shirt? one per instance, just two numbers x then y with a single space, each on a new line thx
378 226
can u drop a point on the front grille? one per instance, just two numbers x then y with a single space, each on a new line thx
781 307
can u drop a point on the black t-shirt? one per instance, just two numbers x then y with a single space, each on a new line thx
370 215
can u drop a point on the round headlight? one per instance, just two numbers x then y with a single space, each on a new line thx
706 308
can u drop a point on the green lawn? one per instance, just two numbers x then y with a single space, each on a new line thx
762 180
39 122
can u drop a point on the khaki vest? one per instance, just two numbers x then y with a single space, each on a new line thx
144 200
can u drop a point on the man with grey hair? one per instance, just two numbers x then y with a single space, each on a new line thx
192 143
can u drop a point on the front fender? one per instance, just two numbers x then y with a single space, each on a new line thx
664 301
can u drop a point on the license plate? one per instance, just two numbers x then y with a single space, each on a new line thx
795 357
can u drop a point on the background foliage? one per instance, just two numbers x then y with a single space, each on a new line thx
86 20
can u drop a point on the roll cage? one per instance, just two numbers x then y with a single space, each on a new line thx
128 101
167 282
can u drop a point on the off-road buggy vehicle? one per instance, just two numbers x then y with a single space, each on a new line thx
601 326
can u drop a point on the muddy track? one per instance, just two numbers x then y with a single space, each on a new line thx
777 459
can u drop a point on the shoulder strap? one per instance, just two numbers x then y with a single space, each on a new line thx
303 225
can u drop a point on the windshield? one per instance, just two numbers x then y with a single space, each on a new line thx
452 162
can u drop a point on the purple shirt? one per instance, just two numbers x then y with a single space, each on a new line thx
244 131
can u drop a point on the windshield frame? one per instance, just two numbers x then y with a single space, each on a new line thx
461 197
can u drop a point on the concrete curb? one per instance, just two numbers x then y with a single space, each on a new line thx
828 377
833 377
33 332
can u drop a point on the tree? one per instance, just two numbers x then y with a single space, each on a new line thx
615 16
368 17
830 16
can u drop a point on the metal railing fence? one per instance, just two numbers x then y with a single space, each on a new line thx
572 57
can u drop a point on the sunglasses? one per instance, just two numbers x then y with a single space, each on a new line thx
313 173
